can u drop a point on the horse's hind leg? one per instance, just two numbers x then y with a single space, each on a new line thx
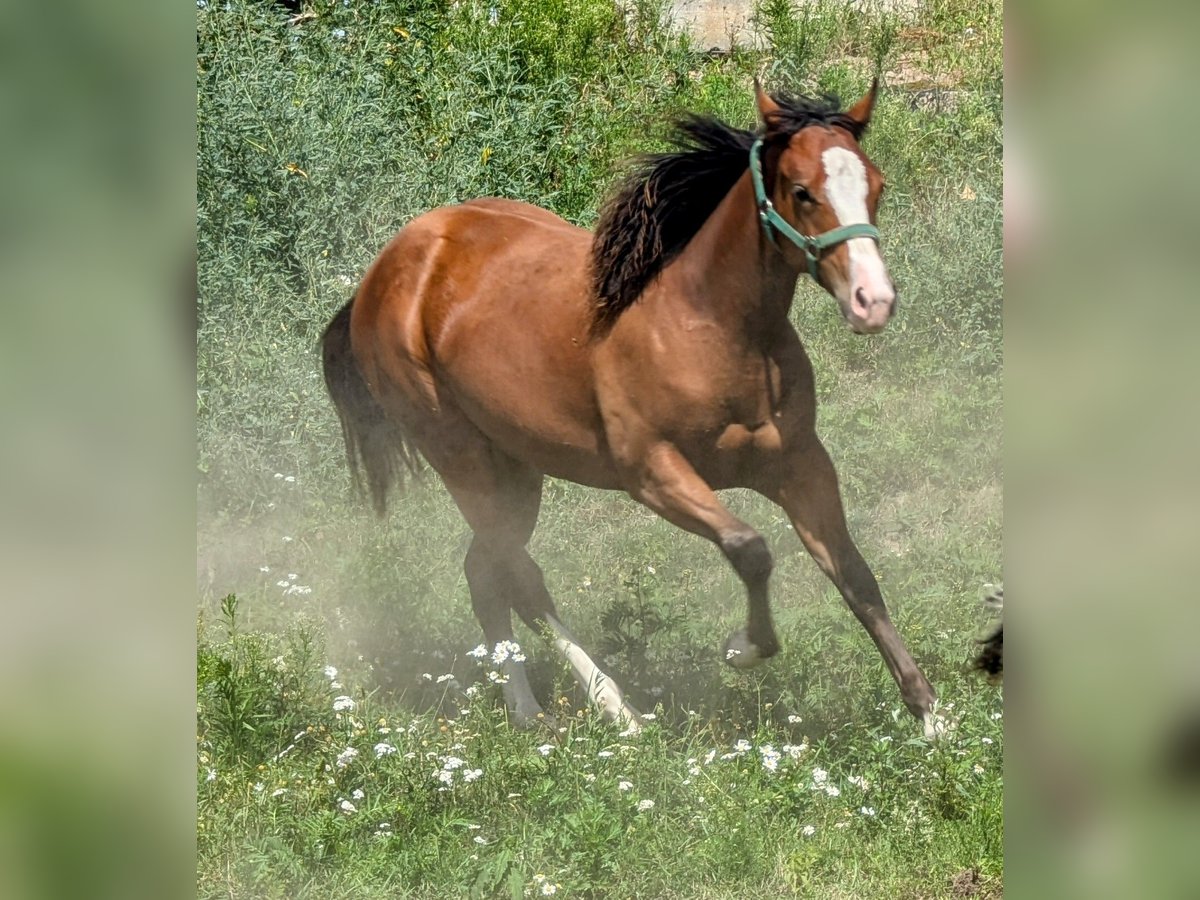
808 492
535 606
500 498
491 602
503 575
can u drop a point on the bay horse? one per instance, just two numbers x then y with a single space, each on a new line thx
503 344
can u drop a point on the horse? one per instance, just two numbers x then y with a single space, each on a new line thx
990 660
502 344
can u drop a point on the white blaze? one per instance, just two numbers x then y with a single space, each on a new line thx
846 189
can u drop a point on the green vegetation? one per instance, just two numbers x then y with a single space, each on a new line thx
318 139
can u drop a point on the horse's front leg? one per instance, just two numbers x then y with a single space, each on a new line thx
666 482
807 489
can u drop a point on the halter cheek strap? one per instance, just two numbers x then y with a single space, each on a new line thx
772 221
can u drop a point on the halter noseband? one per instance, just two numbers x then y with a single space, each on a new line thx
772 221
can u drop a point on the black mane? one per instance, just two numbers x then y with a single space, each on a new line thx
665 199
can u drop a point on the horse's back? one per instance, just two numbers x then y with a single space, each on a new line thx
520 210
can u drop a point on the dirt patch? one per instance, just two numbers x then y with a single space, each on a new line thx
966 884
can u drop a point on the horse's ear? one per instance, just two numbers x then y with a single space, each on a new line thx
767 108
860 112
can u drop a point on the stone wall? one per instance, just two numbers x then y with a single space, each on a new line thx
715 24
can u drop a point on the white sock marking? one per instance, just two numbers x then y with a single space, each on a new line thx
602 690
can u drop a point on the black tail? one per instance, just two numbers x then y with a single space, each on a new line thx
374 442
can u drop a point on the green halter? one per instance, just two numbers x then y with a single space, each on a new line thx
772 221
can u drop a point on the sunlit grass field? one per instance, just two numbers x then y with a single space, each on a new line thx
347 743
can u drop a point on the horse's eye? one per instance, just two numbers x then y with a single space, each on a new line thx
801 194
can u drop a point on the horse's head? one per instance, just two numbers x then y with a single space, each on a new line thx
821 193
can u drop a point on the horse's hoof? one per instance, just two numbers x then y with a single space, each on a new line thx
741 652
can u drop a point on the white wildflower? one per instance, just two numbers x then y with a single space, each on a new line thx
741 746
858 781
624 785
479 839
545 749
479 652
211 776
345 757
833 790
347 807
867 810
985 740
770 757
452 762
604 754
644 805
343 704
496 678
589 777
795 751
442 679
977 769
278 792
470 775
358 794
446 776
383 749
258 787
330 672
819 776
795 720
506 650
808 830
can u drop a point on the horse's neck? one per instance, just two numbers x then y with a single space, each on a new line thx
733 271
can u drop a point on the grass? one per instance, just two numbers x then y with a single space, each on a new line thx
317 140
